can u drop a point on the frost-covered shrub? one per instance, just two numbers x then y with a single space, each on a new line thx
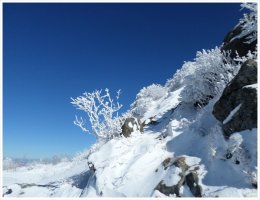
248 23
249 55
146 97
211 70
102 112
203 78
154 92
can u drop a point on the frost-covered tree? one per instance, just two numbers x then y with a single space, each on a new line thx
102 112
211 70
146 97
205 77
248 23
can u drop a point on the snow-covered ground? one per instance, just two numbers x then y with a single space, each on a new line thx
65 179
124 165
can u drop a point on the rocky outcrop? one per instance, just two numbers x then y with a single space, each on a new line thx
91 166
187 176
239 94
6 191
131 124
238 45
174 189
192 181
168 190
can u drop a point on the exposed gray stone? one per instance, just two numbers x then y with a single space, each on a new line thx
129 124
235 94
167 190
238 45
91 166
180 162
192 181
246 117
9 191
166 163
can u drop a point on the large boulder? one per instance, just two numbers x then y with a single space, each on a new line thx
174 189
187 176
239 46
192 181
130 125
237 107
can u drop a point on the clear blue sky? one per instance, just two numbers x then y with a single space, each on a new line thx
56 51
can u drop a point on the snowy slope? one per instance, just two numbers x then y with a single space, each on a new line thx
65 179
124 165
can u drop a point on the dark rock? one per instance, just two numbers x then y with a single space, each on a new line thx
91 166
51 185
235 94
203 102
153 122
129 124
231 96
192 181
238 45
180 162
167 190
175 189
9 191
246 117
166 163
229 155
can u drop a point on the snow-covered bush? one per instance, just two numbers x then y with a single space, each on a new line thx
248 23
205 77
102 112
250 55
211 70
146 97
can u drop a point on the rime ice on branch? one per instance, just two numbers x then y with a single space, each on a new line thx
102 112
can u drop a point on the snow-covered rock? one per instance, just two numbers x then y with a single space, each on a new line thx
131 125
236 107
243 37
